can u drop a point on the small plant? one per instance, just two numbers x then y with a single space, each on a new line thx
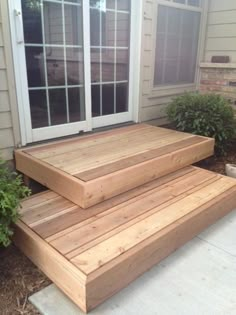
12 191
207 115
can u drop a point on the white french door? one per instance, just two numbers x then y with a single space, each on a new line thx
74 64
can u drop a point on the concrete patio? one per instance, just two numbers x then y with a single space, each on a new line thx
199 278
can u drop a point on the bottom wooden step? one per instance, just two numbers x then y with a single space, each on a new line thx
91 254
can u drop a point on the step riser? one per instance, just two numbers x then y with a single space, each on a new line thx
89 170
111 279
98 190
89 292
58 269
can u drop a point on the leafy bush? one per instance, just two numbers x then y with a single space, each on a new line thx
12 191
208 115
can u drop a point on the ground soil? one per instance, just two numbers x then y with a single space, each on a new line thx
217 164
19 278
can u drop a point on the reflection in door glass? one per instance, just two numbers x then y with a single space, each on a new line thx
38 108
110 40
54 59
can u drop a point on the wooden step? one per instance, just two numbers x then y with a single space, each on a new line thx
93 168
92 254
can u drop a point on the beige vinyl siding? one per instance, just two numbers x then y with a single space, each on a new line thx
153 101
9 125
221 30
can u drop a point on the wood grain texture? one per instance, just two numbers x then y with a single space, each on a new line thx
114 276
108 164
105 187
56 226
136 159
124 216
102 249
65 275
109 249
61 182
62 146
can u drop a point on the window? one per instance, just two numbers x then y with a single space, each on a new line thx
177 37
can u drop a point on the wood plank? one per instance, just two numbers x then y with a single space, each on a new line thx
106 236
68 241
77 216
66 276
37 199
47 210
126 166
100 254
62 146
139 158
117 274
81 149
94 156
127 199
110 185
62 183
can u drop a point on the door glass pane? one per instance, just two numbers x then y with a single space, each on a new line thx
38 108
110 50
96 109
108 99
180 1
111 4
122 30
76 101
31 11
75 66
108 65
73 25
57 99
35 66
122 97
55 61
95 65
55 66
195 3
108 28
53 25
122 65
94 27
123 5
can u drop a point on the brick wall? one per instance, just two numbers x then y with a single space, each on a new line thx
219 79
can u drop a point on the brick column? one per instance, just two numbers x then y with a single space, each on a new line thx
219 78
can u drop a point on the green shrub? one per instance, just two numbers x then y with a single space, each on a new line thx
12 191
208 115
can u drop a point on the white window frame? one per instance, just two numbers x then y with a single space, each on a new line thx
29 135
203 9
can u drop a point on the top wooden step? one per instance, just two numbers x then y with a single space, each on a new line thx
90 169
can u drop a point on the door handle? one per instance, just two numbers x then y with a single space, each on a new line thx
19 26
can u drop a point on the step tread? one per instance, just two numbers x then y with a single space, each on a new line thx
82 169
110 244
105 231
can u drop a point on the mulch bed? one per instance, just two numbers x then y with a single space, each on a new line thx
217 164
19 278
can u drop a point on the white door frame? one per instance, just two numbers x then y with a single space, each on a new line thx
28 134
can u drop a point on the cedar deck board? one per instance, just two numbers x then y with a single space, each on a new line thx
197 198
82 169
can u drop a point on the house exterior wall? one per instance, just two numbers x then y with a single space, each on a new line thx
221 30
153 100
220 41
9 122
